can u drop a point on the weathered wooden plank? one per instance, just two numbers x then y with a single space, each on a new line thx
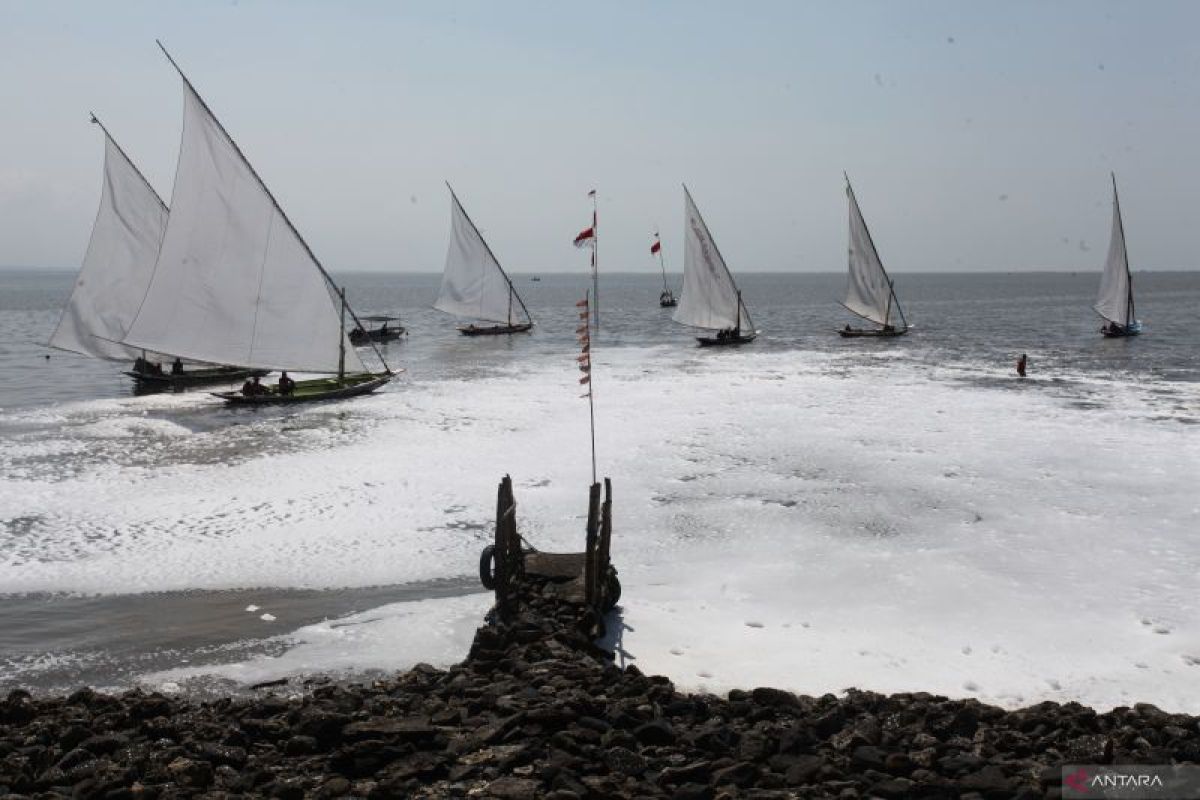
555 565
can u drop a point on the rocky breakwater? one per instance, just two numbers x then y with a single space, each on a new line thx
538 711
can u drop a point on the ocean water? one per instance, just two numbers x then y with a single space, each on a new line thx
806 512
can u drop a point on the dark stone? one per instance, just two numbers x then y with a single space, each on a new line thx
191 773
655 733
221 754
510 788
803 769
695 772
741 774
624 761
775 698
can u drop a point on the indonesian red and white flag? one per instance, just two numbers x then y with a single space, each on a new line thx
586 237
654 248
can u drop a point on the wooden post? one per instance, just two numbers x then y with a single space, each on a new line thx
507 550
591 596
602 557
500 577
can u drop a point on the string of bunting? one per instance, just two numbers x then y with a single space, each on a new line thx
584 359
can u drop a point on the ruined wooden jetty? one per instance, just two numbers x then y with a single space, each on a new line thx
586 579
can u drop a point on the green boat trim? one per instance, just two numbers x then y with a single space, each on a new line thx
312 390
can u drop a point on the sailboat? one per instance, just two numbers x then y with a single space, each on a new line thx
235 283
667 298
869 293
474 284
113 277
386 328
1115 303
710 299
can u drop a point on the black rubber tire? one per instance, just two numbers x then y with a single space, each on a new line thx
487 574
613 595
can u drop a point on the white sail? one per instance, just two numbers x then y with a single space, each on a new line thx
474 284
1115 302
710 297
234 283
869 290
117 267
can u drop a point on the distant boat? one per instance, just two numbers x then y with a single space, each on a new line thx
116 270
1115 303
870 292
535 279
667 298
710 299
474 285
362 335
235 283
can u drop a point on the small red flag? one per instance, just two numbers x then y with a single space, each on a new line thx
583 359
582 304
654 248
585 379
581 329
585 237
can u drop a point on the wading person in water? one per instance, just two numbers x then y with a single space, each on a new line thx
286 384
1021 365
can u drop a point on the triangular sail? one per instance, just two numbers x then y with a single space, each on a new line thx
119 262
474 284
234 283
1115 301
869 291
710 297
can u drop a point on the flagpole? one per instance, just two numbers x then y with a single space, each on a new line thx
592 406
595 262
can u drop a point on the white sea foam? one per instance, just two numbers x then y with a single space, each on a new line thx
780 518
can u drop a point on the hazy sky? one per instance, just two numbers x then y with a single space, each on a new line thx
979 136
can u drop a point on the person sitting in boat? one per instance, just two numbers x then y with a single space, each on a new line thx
383 329
141 365
156 368
253 388
177 366
722 334
286 385
847 328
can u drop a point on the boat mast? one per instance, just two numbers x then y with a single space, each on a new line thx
662 264
1124 255
871 240
342 337
595 266
512 290
316 261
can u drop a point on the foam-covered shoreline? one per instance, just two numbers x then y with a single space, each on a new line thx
538 710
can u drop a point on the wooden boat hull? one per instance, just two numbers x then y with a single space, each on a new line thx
390 335
495 330
205 376
852 333
1132 329
310 391
713 341
668 303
